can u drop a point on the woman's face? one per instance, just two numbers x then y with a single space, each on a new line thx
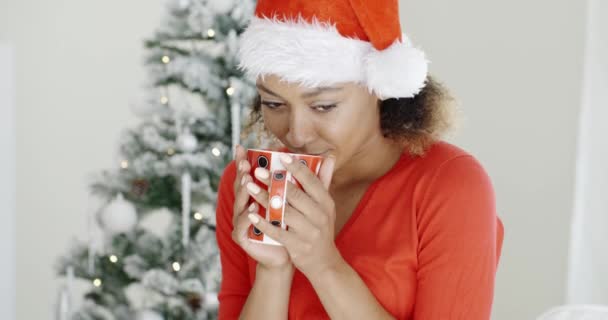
341 120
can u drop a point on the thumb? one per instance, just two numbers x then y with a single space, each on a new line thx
327 170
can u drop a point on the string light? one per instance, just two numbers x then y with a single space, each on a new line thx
113 259
165 59
211 33
230 91
216 152
97 282
198 216
176 266
170 151
124 164
164 100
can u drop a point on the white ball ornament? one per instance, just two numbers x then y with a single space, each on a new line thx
119 216
187 142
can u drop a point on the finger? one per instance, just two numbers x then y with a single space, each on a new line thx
305 205
327 171
262 175
259 195
298 224
310 183
262 252
241 198
274 232
241 224
239 161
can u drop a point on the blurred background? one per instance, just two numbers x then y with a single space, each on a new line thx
531 77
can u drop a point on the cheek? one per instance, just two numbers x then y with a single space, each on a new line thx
276 123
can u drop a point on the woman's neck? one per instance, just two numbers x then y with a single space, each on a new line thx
370 162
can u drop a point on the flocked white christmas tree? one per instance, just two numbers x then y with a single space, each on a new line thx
168 165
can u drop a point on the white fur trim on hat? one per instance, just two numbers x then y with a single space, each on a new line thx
316 54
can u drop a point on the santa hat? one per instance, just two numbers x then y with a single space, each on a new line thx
324 42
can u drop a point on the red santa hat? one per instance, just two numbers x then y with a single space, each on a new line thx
324 42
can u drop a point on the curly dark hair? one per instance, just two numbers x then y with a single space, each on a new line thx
415 122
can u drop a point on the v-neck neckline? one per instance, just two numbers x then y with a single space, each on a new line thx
365 199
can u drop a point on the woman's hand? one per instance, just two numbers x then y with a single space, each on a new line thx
310 214
271 257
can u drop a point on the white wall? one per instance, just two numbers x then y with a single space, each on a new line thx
7 183
79 65
516 67
588 282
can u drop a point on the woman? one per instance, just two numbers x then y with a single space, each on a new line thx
398 225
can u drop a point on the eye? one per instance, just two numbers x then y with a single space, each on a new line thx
324 108
272 105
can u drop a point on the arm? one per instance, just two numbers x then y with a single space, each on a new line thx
345 296
269 298
237 297
460 239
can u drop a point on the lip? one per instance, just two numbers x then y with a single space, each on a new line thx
318 154
312 154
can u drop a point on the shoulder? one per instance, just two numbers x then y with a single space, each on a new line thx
447 171
455 179
441 152
444 158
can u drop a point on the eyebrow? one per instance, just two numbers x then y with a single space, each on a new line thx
308 94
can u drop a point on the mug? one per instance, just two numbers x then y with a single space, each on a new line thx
280 180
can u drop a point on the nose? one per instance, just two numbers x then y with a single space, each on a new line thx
301 128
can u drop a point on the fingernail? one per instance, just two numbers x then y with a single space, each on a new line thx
261 173
252 207
285 157
241 166
243 180
253 187
253 218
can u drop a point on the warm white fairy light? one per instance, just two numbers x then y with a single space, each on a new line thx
230 91
211 33
165 59
216 152
97 282
113 259
176 266
124 164
170 151
164 100
198 216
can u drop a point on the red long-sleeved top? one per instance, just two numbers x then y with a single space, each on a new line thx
425 239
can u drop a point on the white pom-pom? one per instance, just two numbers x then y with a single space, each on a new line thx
399 71
148 315
119 216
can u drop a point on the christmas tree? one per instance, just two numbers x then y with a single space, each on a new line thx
169 166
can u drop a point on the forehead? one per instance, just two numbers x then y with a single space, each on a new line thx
274 85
